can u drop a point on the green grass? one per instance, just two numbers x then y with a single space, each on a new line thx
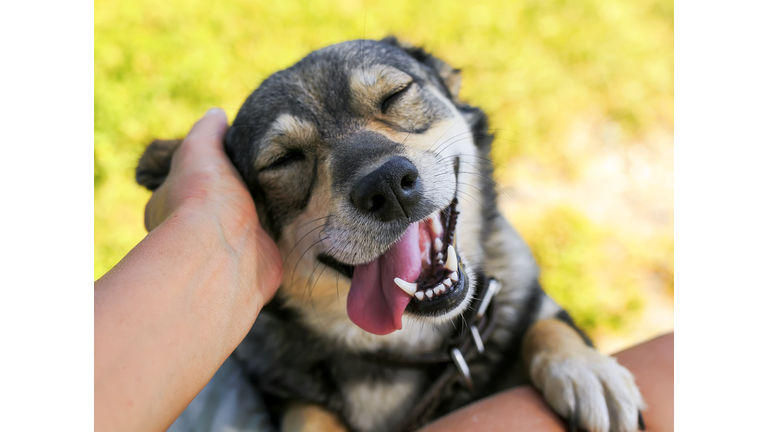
597 273
536 67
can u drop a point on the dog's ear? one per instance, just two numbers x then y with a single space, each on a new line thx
450 77
155 163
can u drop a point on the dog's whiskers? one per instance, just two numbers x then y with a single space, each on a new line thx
300 240
497 187
293 276
413 126
309 280
466 195
325 266
464 156
451 141
308 222
421 157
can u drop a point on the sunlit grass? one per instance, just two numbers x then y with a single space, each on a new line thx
596 272
534 66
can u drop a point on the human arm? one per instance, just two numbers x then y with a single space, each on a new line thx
523 409
170 312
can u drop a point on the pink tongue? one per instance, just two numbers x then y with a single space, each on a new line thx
375 303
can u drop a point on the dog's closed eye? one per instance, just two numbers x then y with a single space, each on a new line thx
285 159
394 96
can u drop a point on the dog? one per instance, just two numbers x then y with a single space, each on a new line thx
406 294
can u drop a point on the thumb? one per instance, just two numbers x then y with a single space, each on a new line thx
206 137
210 127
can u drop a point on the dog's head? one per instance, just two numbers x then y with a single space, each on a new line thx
365 169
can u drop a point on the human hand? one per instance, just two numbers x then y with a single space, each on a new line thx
201 177
173 309
203 182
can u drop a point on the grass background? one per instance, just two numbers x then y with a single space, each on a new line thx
536 67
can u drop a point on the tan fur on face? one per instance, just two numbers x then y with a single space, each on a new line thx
302 242
380 128
286 132
294 128
370 85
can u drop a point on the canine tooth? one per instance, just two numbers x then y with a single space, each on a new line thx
454 276
448 283
420 295
451 263
430 294
408 287
438 244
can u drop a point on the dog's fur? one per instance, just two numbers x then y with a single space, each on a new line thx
302 141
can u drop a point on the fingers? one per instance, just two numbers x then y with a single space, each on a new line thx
199 155
210 128
205 140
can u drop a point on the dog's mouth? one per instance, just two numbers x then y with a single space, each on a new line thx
421 274
440 285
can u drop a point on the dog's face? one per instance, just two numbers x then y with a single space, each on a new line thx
364 167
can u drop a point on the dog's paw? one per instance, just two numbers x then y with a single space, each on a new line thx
594 392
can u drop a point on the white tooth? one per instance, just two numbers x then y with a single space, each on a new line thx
451 263
454 276
434 223
420 295
408 287
430 294
447 283
439 256
438 244
442 290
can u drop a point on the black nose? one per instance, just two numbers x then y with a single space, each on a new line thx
390 192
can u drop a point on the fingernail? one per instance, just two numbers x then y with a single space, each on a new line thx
213 111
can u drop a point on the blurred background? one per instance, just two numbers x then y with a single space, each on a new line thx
579 94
